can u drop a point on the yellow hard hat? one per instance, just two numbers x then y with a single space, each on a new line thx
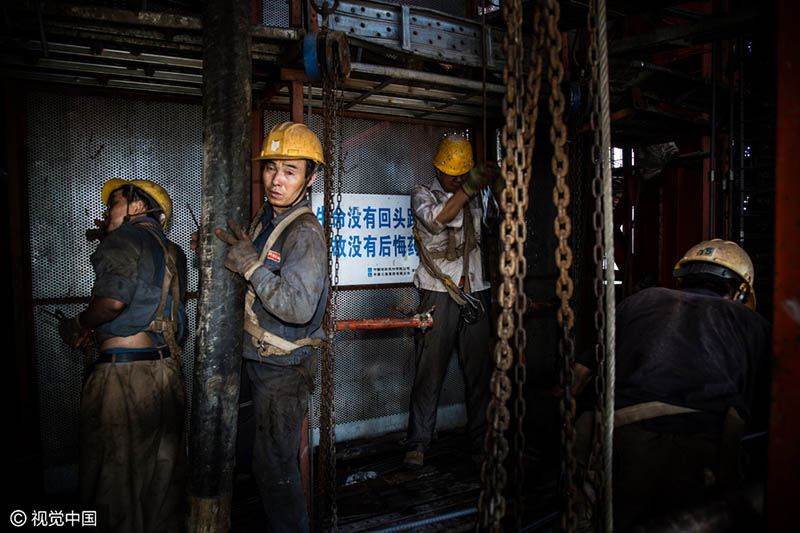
291 140
709 256
454 155
153 190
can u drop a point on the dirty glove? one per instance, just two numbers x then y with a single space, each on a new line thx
478 178
194 241
242 256
71 332
498 184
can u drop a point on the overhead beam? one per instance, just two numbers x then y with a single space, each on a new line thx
701 31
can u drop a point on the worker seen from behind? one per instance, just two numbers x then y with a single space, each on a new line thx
450 277
132 451
691 364
286 269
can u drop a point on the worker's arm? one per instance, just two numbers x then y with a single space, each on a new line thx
100 311
452 207
582 376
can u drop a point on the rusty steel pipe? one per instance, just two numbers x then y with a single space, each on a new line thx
384 323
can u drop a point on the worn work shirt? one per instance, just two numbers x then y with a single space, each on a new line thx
129 267
427 203
690 348
292 285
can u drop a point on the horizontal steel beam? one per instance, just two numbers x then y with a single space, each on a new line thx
702 31
424 77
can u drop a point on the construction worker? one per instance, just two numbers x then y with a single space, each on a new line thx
689 365
132 454
286 268
450 278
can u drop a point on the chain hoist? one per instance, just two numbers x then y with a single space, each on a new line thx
563 257
331 49
595 476
492 503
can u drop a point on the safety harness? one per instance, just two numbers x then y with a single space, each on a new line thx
267 343
161 324
471 307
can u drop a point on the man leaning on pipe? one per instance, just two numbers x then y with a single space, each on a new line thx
286 268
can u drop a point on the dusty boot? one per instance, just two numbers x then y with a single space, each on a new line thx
414 459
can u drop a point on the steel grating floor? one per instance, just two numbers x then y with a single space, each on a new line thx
383 495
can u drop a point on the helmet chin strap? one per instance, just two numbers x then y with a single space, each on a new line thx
128 215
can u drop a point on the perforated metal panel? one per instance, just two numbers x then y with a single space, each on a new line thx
276 13
75 145
374 370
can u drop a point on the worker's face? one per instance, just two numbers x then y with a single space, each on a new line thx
118 209
451 183
284 182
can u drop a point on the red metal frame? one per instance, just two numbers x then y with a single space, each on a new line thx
784 431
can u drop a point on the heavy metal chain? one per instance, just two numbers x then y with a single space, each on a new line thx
599 253
326 488
563 256
513 201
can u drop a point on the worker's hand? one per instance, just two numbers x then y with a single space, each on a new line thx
71 332
242 256
498 184
479 177
99 231
194 241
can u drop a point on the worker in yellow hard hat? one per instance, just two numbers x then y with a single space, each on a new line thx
689 363
132 456
283 258
450 277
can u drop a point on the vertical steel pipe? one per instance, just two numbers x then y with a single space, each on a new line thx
784 427
226 193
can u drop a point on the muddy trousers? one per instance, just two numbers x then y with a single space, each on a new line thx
433 351
132 456
280 401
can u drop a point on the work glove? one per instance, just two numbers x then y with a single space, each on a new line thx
242 256
479 177
71 332
498 184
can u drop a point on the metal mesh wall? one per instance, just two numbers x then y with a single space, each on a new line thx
276 13
75 145
374 369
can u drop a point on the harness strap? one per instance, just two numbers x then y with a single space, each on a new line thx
426 257
646 411
167 327
267 343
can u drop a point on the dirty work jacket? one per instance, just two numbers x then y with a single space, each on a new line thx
129 267
291 286
427 203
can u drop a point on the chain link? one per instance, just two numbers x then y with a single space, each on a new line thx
491 503
563 257
596 476
326 488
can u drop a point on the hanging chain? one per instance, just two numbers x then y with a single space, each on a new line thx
492 503
563 256
326 488
596 475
